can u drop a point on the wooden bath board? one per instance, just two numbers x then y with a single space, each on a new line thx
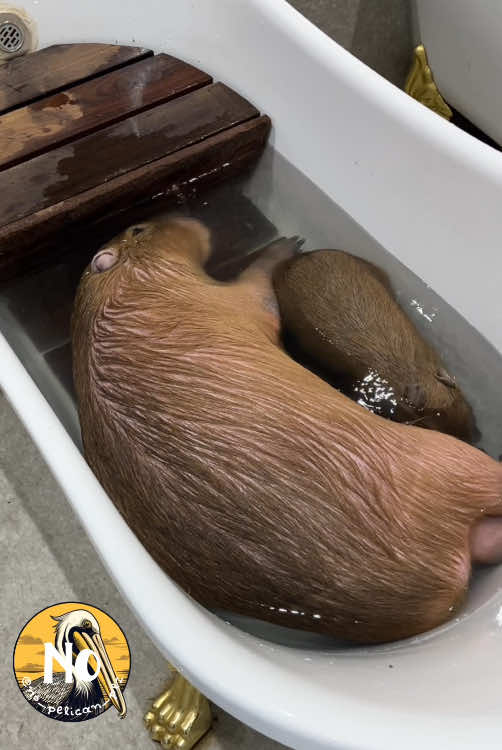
91 129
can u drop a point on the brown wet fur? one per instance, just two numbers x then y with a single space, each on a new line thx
257 486
341 311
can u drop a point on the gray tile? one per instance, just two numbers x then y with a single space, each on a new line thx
383 38
378 33
337 18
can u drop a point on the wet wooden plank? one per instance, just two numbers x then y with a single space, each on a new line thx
58 119
156 185
24 79
64 172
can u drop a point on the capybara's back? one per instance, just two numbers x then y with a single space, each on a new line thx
253 483
341 311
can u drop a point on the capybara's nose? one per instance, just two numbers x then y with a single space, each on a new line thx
104 260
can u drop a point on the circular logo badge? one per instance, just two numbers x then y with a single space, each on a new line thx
72 662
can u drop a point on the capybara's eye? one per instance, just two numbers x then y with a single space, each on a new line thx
137 229
445 378
104 260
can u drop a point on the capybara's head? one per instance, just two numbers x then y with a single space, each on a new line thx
149 242
435 400
151 250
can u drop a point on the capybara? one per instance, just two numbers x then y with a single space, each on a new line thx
340 310
257 486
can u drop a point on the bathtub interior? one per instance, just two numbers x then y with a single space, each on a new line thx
277 199
389 696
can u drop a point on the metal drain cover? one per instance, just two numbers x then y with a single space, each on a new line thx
18 32
11 37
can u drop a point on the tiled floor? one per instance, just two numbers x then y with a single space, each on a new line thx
378 32
44 554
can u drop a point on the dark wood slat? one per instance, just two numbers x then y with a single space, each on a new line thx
223 155
58 119
52 177
24 79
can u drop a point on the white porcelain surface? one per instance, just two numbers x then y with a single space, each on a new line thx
462 39
430 195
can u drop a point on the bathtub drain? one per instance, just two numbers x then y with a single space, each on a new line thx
18 32
11 37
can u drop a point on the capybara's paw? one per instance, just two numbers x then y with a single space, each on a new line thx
284 247
278 251
257 278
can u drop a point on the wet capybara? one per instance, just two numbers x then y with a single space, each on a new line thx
340 310
257 486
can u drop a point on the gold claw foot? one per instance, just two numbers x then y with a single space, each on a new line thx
180 716
421 86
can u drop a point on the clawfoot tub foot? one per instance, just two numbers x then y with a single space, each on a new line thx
421 86
180 716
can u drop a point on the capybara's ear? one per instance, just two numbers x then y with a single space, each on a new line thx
138 230
444 377
104 260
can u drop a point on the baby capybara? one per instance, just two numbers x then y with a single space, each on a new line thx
341 312
257 486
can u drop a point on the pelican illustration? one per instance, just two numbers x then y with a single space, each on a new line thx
79 699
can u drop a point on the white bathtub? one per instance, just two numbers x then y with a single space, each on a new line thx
430 195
